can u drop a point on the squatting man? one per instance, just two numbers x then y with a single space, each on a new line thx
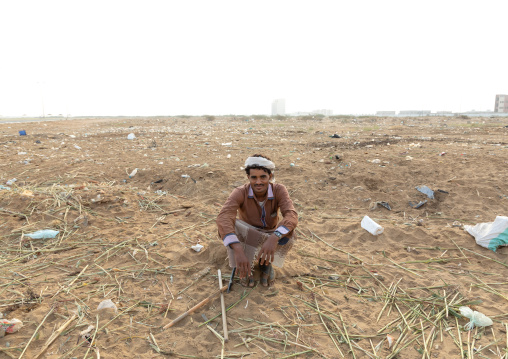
251 227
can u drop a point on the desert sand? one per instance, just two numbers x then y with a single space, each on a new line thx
342 293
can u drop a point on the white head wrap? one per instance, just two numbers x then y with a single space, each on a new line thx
259 161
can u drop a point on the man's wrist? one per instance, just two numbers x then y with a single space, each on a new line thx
235 245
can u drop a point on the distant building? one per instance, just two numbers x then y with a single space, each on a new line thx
324 112
279 107
414 113
501 103
385 113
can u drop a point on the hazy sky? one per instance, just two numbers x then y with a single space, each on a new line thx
218 57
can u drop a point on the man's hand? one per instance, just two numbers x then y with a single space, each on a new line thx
266 254
242 263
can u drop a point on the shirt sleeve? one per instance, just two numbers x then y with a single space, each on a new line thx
227 217
287 209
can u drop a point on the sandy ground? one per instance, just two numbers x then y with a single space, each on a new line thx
342 292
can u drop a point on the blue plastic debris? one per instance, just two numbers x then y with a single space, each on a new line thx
426 190
43 234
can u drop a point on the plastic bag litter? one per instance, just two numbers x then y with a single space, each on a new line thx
107 304
372 227
490 235
42 234
475 318
131 136
426 190
198 247
10 326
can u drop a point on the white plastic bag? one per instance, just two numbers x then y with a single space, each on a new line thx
198 247
107 304
475 318
371 226
490 235
131 136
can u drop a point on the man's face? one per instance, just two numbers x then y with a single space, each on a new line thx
259 181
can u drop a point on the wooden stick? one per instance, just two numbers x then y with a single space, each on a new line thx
36 330
223 306
55 335
194 308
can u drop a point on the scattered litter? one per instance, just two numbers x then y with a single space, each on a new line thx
490 235
227 144
291 165
5 187
159 181
85 334
107 304
417 205
335 136
390 340
77 147
11 182
131 136
10 326
457 224
198 247
409 158
384 204
133 173
442 191
229 155
475 318
27 193
372 227
42 234
376 161
426 190
442 154
22 133
185 176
